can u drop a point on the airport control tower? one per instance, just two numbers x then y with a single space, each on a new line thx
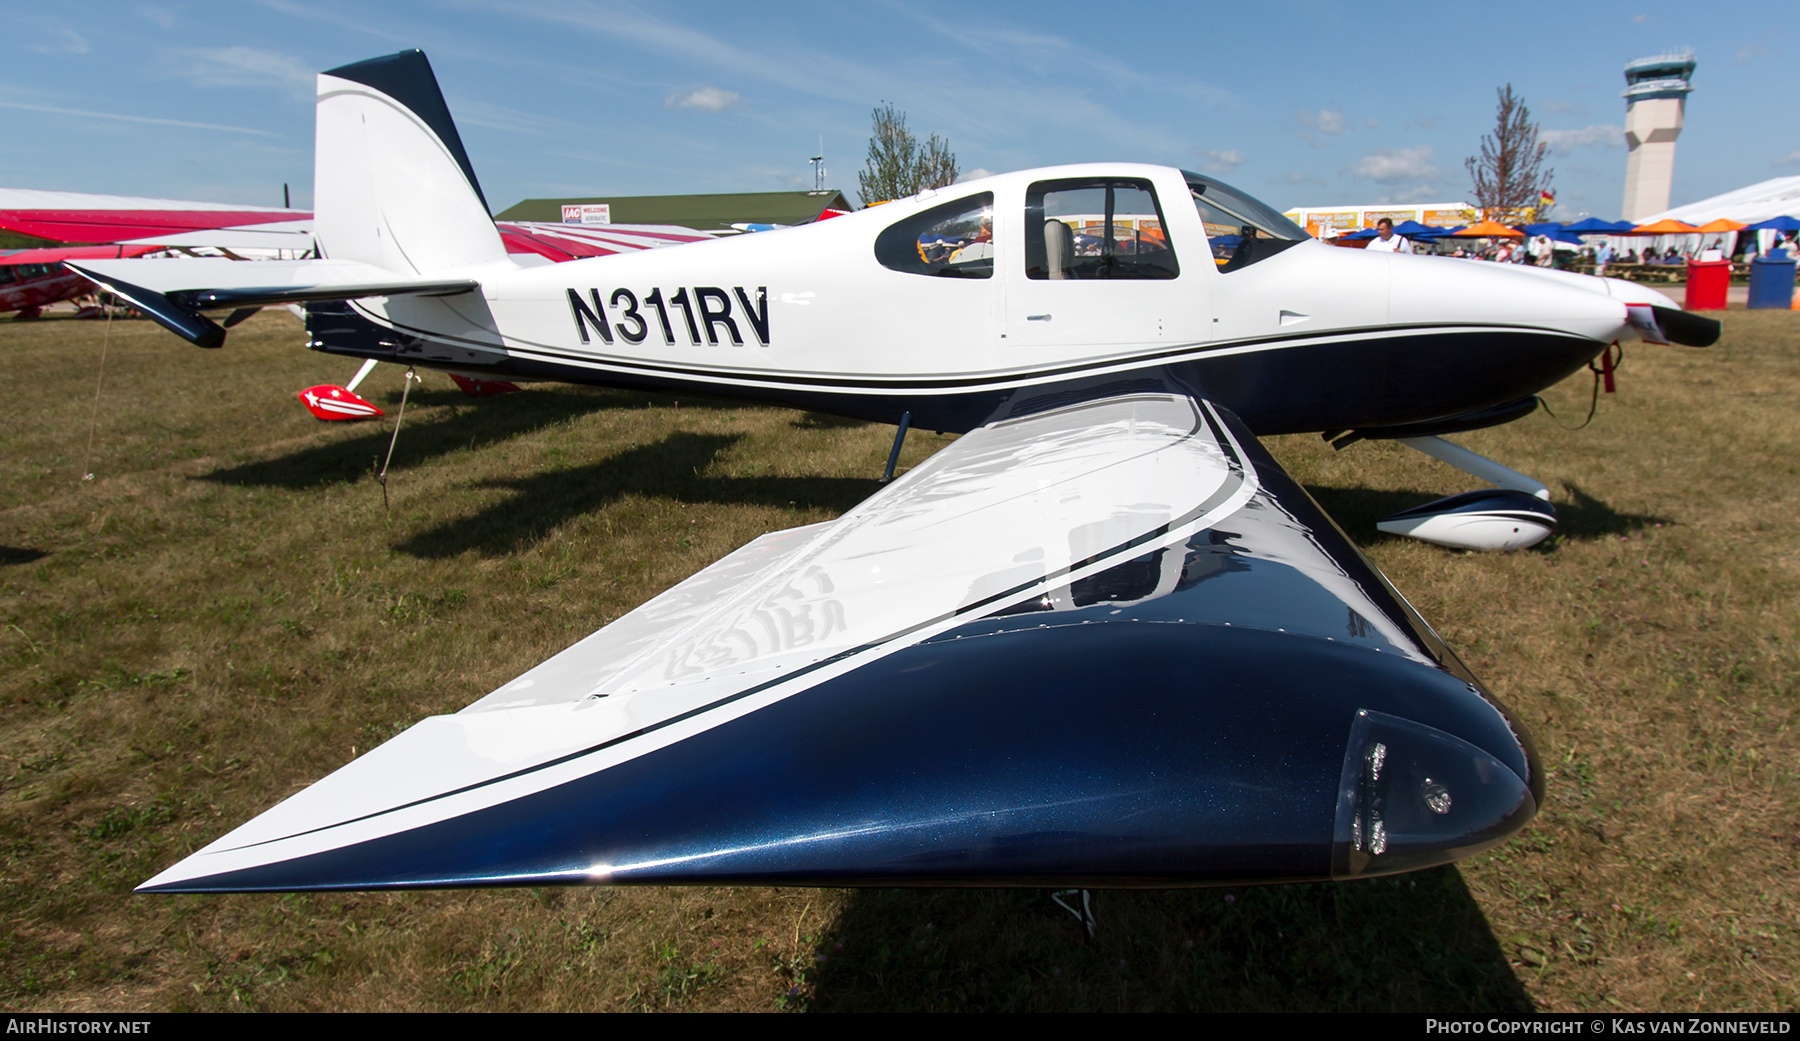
1655 98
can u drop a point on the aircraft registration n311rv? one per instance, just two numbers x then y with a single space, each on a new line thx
1100 640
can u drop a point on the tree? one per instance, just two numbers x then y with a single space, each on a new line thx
897 165
1509 176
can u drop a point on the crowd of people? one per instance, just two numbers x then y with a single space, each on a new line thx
1541 251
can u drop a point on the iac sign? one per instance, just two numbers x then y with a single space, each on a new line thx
709 308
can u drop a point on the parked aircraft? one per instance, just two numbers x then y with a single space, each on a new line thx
83 226
1101 639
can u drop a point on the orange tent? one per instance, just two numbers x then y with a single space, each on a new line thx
1488 229
1666 226
1720 225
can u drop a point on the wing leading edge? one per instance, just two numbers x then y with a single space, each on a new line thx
1110 644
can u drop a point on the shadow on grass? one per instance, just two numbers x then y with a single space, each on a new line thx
20 555
1578 515
1413 943
1357 509
495 419
672 468
826 421
1585 517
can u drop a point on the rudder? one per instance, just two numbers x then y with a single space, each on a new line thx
392 183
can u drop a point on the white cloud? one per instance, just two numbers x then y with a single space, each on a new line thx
707 99
1298 179
62 41
1325 121
1788 159
1223 162
239 67
121 117
1396 165
974 175
1749 53
479 113
1600 135
1017 92
161 16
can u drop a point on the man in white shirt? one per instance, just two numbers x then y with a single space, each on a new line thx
1385 241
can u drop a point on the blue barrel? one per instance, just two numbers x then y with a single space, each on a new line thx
1772 280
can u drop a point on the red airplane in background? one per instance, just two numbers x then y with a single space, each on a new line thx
63 226
80 226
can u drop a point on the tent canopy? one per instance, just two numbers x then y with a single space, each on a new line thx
1666 226
1596 226
1756 202
1783 223
1720 225
1553 232
1488 229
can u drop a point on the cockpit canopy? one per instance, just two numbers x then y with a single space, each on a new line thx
1087 228
1240 229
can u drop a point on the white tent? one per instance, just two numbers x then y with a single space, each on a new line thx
1779 196
1772 198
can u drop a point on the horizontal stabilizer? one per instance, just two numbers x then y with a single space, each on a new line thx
174 291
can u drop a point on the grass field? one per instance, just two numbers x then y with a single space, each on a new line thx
226 613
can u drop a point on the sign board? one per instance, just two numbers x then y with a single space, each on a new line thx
1326 222
587 213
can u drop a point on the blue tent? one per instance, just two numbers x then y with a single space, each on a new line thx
1782 223
1555 231
1596 226
1358 236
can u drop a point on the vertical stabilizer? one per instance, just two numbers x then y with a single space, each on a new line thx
392 184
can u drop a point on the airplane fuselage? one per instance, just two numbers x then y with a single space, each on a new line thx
1311 338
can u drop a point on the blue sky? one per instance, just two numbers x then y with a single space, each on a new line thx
1298 103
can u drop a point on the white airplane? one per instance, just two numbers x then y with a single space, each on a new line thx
1101 639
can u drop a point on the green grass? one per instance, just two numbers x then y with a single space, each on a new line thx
226 613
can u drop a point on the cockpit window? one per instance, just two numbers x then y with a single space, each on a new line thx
1096 228
1240 229
955 240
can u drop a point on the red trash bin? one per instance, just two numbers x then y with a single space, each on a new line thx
1707 281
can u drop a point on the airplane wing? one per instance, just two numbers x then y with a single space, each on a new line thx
59 254
1106 643
564 242
293 237
174 290
80 217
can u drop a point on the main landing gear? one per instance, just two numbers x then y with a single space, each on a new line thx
1515 515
